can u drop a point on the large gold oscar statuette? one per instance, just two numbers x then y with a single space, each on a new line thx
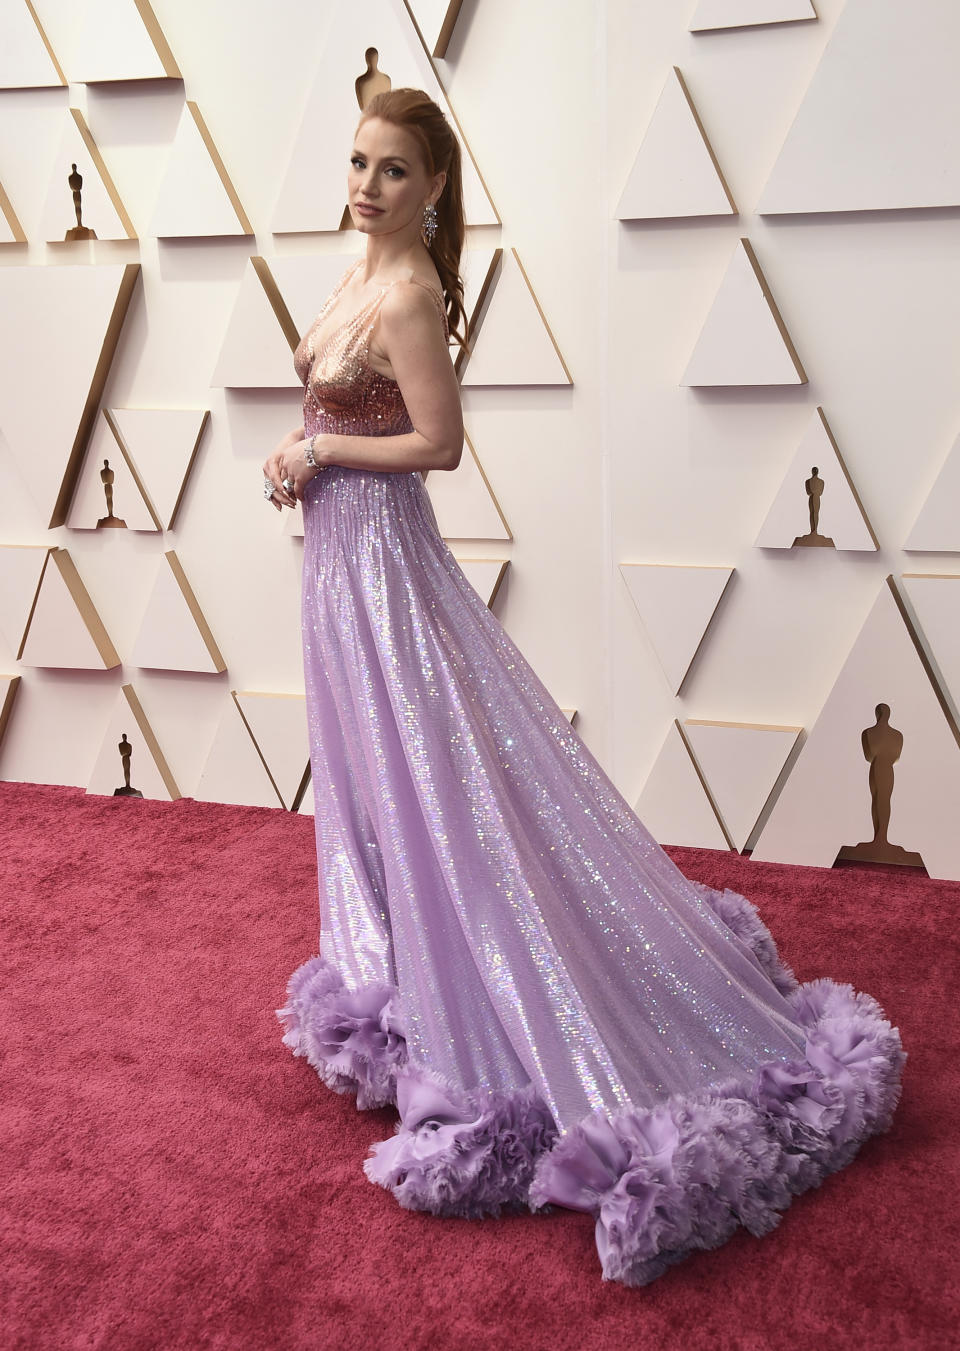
882 745
79 231
109 521
814 488
126 750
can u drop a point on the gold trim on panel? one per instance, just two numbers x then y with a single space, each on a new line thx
777 316
256 746
12 219
103 171
87 610
33 603
6 708
141 486
504 564
704 785
924 659
152 744
156 35
176 567
220 167
846 474
475 317
747 726
543 317
446 27
46 42
486 483
111 339
277 303
706 141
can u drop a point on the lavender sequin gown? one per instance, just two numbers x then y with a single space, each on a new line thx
506 953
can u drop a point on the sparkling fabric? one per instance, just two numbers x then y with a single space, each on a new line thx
472 853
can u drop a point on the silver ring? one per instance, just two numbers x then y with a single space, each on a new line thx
268 489
289 484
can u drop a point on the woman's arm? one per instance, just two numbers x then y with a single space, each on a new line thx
410 337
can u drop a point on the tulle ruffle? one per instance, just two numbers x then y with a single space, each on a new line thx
660 1182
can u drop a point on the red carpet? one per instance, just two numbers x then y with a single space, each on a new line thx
172 1178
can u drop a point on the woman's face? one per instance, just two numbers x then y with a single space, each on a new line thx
388 185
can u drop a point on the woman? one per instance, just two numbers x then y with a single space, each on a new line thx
559 1015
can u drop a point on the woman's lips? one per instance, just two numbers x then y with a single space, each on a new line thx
365 210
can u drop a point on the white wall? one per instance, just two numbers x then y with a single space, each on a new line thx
626 466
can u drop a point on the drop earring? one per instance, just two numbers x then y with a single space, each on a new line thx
429 223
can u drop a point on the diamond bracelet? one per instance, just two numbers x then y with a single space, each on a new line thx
308 454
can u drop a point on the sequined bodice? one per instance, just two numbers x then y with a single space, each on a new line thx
342 391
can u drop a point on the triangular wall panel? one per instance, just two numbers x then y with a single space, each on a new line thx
513 344
842 520
9 686
676 605
713 14
149 771
100 204
21 567
674 805
676 172
197 197
174 635
937 527
744 340
935 600
85 307
234 770
105 40
27 60
11 231
313 194
435 20
104 459
740 764
278 725
877 128
825 805
65 629
484 575
463 500
160 446
256 354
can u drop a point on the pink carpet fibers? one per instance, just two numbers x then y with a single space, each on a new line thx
171 1177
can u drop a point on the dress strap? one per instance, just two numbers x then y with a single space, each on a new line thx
435 294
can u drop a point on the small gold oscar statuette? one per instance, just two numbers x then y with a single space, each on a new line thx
79 231
882 745
109 521
814 487
126 750
373 81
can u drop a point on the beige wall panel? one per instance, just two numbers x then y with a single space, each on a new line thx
84 307
65 629
937 527
107 40
160 446
842 517
676 172
711 14
21 567
740 763
825 803
197 197
514 344
673 804
484 575
174 635
306 807
464 502
305 281
89 504
149 771
26 59
234 771
278 725
101 207
744 340
676 604
11 231
935 601
877 128
255 354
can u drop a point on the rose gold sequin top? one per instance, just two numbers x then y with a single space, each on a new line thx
343 393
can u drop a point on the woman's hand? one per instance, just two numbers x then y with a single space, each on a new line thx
288 463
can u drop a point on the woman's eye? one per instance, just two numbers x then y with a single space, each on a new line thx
357 162
395 170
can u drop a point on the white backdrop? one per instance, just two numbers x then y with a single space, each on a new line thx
627 465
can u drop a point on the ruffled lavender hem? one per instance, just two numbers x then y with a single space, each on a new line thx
660 1182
